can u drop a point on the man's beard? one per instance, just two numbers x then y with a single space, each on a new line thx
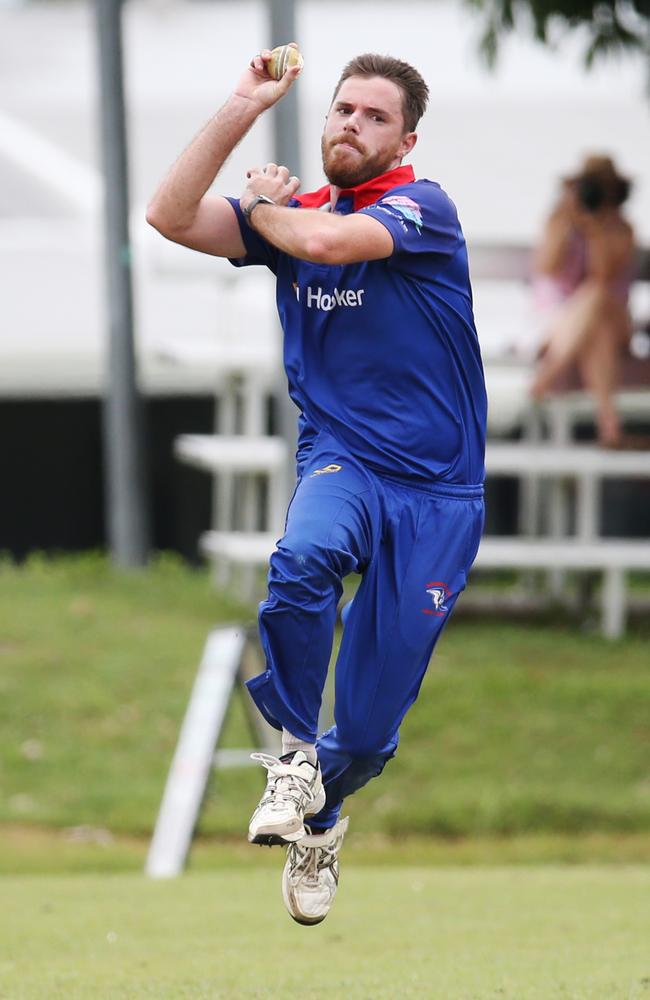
362 168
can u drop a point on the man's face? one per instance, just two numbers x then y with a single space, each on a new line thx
364 131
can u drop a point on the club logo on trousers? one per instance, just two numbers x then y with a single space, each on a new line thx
439 593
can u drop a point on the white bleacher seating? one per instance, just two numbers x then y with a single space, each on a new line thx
612 557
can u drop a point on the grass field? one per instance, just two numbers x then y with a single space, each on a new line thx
528 746
520 728
393 934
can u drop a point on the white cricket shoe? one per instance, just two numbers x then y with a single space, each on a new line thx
294 790
311 874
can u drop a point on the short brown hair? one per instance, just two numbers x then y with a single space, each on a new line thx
415 92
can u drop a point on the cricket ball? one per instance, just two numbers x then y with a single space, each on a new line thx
283 57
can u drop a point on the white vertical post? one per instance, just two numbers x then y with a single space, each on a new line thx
613 602
587 506
223 481
558 513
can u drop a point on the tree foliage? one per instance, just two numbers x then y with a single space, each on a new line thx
611 26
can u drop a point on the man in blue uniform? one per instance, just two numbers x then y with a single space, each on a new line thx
383 362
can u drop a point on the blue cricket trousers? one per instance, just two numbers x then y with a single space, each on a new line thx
413 547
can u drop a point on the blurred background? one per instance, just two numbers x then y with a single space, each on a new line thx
498 141
96 666
505 851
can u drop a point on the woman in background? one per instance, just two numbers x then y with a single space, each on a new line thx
584 267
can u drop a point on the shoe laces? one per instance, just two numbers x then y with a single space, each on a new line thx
306 863
284 782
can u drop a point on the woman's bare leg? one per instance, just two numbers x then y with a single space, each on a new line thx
599 363
591 332
581 314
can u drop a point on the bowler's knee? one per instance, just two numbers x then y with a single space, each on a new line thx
310 555
302 557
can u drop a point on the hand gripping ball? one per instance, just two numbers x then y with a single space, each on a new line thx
282 58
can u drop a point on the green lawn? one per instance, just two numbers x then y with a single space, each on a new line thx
96 668
393 934
522 730
530 743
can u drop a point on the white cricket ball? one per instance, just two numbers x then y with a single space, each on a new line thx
283 57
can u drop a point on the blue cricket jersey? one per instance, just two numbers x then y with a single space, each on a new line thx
384 353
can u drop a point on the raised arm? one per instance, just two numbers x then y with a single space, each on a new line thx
181 209
558 233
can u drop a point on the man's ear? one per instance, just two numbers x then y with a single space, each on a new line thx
408 142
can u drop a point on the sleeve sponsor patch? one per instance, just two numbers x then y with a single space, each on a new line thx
406 207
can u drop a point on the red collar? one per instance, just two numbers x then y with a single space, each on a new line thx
363 194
